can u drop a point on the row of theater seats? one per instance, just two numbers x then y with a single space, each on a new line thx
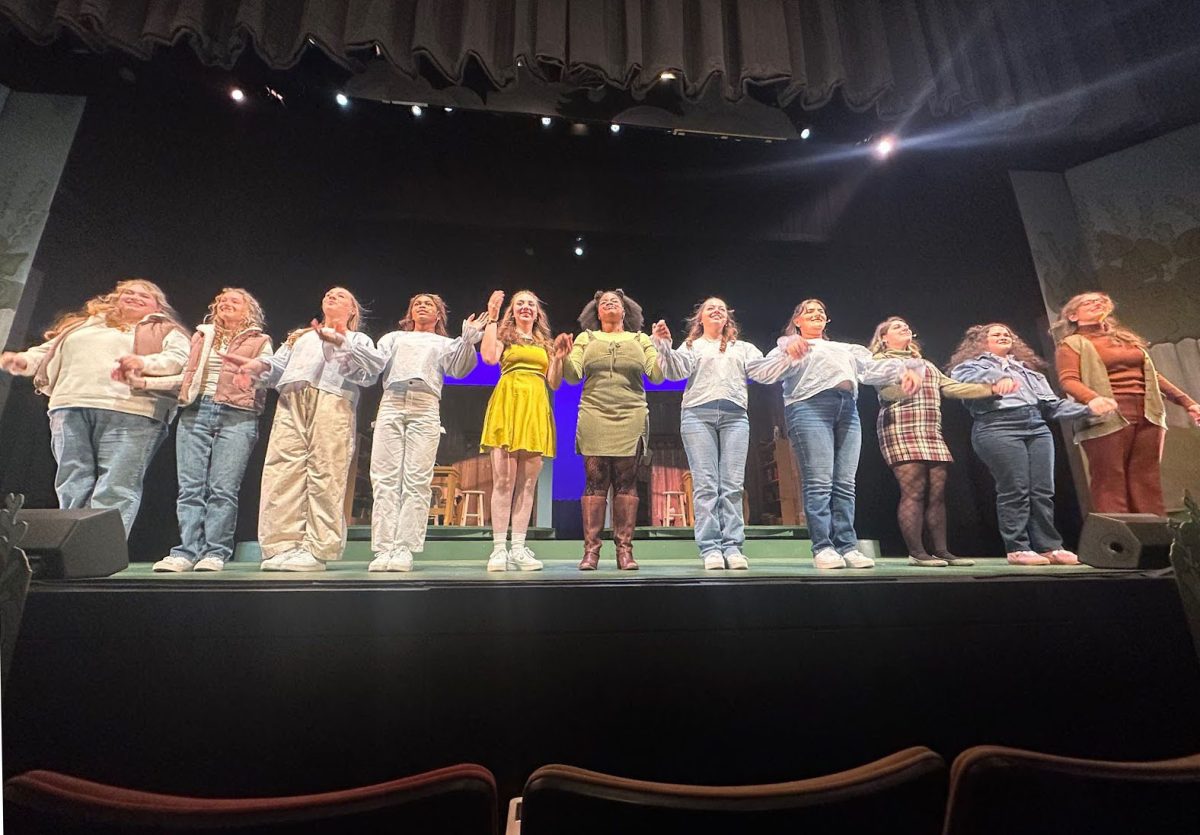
988 790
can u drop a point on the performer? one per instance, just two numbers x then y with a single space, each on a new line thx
217 430
318 372
910 438
408 427
1010 435
102 432
1097 356
518 428
611 356
713 424
820 395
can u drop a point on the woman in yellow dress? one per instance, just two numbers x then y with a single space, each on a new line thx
518 428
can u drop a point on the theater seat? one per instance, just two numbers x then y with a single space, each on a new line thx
901 793
1004 790
458 799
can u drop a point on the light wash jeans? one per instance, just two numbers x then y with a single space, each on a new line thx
404 448
716 437
827 438
212 445
102 458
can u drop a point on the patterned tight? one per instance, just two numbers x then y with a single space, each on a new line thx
604 471
922 506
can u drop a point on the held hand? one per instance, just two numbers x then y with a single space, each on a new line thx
246 369
127 368
1101 406
563 343
797 348
335 335
1194 413
12 362
1005 385
910 381
493 306
661 331
475 320
137 383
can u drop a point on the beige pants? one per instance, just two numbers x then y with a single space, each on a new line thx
304 476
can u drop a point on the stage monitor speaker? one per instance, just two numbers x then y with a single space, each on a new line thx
74 544
1125 540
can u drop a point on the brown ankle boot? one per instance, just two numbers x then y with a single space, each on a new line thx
593 522
624 521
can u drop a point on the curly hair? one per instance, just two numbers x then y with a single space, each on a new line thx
506 331
878 345
729 331
255 318
589 317
352 323
443 314
1062 327
790 328
106 305
974 343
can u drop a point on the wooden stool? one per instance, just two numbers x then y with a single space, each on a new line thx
466 514
674 508
444 495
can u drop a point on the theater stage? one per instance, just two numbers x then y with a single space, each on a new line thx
244 682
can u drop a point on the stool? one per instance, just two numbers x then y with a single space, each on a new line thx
443 495
466 513
674 507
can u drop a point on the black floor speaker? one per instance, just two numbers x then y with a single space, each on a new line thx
1125 540
73 544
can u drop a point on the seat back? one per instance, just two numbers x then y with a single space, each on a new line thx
1003 790
901 794
459 799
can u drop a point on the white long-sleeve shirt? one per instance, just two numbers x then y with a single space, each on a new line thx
334 369
80 371
427 357
828 364
713 374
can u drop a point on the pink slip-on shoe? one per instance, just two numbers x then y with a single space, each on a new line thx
1027 558
1060 557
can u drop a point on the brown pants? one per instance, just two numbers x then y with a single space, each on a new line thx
1123 466
304 476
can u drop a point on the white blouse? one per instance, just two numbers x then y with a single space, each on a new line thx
713 374
427 357
334 369
828 364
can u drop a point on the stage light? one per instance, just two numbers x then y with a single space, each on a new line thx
578 251
416 110
615 128
805 134
448 109
667 75
884 147
342 99
547 121
237 95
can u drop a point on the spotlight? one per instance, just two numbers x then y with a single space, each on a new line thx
667 75
578 251
547 121
615 128
342 99
805 134
237 95
884 147
448 109
416 110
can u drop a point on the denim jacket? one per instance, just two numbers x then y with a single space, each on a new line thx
1033 388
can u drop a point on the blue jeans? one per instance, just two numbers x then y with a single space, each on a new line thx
102 457
212 445
827 438
716 436
1018 448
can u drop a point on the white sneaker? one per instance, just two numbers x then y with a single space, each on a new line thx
173 563
380 563
498 561
402 560
210 564
857 559
828 558
303 561
521 558
713 562
276 562
737 562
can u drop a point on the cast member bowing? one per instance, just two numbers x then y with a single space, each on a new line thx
713 424
1011 437
318 372
518 427
419 356
820 394
103 433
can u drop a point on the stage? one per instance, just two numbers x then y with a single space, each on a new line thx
245 682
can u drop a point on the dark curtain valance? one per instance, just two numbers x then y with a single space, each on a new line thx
899 56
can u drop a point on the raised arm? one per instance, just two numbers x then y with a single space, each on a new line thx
459 358
675 365
650 365
558 352
572 370
491 349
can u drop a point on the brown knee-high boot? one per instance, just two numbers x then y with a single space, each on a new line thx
624 521
593 522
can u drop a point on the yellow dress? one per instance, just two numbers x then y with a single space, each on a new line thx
518 414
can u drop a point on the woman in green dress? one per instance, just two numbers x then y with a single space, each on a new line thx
611 356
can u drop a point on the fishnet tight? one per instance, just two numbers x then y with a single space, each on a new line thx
922 507
604 471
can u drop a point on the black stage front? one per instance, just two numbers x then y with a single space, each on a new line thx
245 683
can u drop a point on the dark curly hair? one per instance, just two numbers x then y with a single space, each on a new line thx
974 343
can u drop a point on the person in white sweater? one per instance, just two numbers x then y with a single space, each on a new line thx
318 372
103 432
408 428
713 422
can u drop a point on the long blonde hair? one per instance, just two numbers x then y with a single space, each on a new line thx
443 313
729 331
106 305
351 322
878 345
506 331
1062 327
255 318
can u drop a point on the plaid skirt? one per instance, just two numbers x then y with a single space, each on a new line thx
911 429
